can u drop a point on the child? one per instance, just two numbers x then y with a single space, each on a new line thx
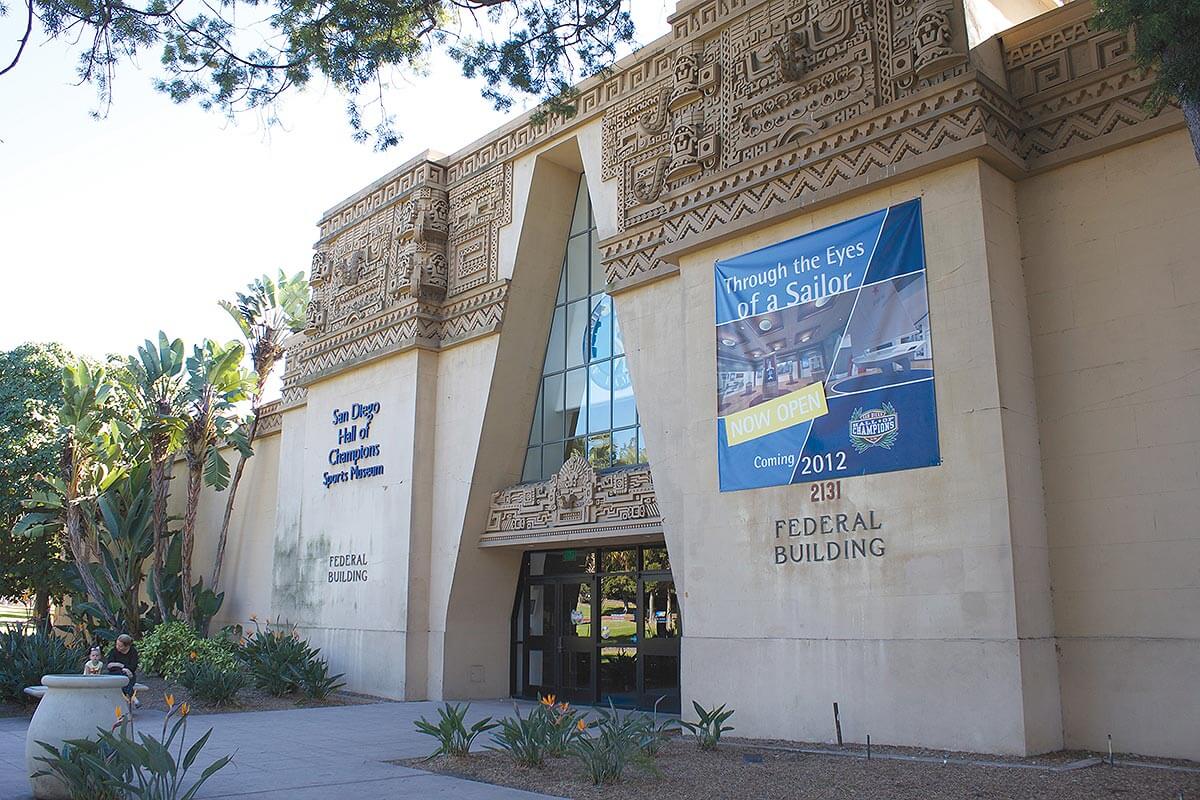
94 665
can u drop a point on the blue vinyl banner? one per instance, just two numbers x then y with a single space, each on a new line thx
824 355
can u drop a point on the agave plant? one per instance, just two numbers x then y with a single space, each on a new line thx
453 736
710 726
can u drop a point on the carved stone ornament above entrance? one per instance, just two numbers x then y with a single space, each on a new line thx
575 504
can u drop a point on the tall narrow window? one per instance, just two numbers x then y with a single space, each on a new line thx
585 401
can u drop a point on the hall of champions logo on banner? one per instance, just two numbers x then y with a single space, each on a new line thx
875 427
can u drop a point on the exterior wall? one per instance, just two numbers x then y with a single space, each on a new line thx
927 643
246 574
1109 247
360 626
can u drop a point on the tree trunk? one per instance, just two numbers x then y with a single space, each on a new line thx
79 554
41 608
233 487
195 483
1191 114
160 487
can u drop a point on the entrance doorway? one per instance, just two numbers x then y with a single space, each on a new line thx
598 625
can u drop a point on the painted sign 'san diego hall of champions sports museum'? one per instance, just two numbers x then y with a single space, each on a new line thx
833 351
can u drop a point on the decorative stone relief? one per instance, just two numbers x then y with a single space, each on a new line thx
575 499
406 266
749 109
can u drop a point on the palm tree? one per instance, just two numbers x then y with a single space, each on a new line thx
155 382
216 382
267 314
92 460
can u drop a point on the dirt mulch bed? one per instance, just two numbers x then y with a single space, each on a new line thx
248 699
16 710
686 773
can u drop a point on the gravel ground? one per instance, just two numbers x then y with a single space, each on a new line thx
248 699
686 773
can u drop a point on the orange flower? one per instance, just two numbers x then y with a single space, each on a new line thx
547 700
170 698
184 708
192 655
564 707
117 710
581 725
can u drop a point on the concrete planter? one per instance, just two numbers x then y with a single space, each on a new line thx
72 707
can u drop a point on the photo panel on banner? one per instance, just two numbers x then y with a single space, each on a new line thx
825 356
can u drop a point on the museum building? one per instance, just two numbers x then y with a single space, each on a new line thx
839 351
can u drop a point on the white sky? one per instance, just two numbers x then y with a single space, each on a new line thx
111 230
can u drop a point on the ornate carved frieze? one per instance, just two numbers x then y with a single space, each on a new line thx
749 109
576 501
767 80
413 263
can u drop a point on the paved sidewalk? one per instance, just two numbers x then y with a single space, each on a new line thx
303 754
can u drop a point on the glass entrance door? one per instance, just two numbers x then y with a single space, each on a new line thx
598 626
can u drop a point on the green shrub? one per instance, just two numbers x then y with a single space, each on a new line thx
89 770
524 738
27 653
212 684
451 732
618 744
563 726
170 647
281 662
314 679
655 734
710 726
143 765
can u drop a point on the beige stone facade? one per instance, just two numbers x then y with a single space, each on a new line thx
1039 588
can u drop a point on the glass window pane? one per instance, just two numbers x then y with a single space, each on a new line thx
655 558
576 402
660 673
661 607
556 348
600 451
598 281
577 267
642 457
552 459
535 430
533 465
553 411
566 562
562 289
618 612
600 397
624 560
625 451
579 222
618 675
600 329
575 447
577 329
618 342
624 407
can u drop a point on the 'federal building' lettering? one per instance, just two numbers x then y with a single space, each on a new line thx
814 552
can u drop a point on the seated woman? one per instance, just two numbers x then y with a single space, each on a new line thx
123 660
